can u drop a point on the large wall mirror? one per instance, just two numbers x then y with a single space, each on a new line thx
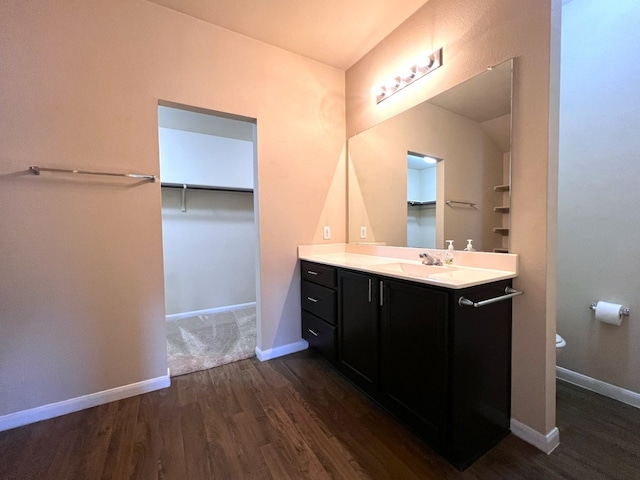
438 171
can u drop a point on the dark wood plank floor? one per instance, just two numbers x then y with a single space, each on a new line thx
295 418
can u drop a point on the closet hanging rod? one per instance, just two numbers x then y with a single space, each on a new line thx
471 204
206 187
36 171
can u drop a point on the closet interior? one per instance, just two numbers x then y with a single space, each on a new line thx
209 237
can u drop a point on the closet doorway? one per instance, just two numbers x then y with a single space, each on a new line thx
422 186
209 234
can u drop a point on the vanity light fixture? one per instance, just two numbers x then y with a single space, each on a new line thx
409 75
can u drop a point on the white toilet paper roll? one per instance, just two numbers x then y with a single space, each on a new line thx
609 313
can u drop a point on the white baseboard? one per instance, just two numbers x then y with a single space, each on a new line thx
208 311
51 410
603 388
276 352
547 443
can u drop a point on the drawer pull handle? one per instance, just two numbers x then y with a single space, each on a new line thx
311 272
509 293
312 332
311 299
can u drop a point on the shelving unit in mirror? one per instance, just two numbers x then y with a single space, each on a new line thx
503 206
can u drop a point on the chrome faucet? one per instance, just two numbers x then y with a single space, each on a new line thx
429 260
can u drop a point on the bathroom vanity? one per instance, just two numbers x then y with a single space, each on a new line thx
422 342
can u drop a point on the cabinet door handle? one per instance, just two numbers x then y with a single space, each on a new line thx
370 290
381 293
311 299
311 272
312 332
509 293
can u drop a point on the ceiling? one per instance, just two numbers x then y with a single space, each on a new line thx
481 98
334 32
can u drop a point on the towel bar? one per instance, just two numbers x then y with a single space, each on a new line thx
509 293
36 171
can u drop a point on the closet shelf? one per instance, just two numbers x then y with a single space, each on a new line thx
501 209
190 186
501 188
501 230
411 203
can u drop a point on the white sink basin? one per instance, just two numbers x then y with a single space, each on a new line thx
439 275
414 269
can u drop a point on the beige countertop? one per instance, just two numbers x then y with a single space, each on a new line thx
467 270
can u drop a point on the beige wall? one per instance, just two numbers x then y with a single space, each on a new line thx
81 290
209 250
475 35
598 231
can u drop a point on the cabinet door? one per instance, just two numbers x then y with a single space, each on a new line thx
414 356
480 372
358 328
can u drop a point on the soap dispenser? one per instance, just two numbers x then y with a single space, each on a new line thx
469 247
448 256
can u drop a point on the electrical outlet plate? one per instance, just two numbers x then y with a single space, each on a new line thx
326 232
363 231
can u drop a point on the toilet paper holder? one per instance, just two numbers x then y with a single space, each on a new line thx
624 311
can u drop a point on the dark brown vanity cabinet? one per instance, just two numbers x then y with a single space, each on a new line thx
319 300
441 368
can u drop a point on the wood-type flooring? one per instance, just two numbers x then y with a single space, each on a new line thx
296 418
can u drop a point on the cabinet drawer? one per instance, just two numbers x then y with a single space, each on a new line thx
320 335
316 273
319 300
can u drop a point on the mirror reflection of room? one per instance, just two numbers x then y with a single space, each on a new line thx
469 126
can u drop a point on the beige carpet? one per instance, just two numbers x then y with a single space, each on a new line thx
207 341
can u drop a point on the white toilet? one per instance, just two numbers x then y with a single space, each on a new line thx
560 344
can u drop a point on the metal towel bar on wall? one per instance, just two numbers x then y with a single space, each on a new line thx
509 293
450 202
36 171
